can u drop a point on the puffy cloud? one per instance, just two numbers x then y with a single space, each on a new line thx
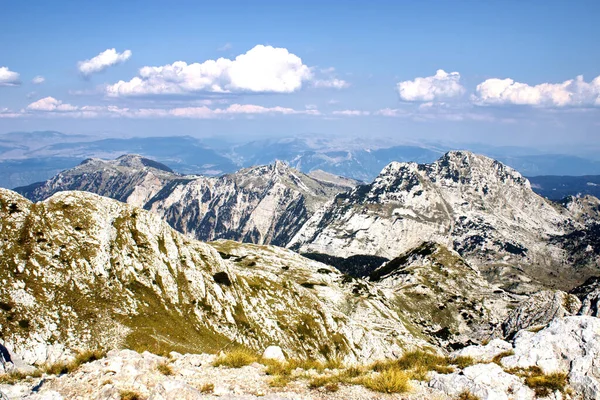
572 93
38 80
261 69
50 104
442 85
8 77
102 61
352 113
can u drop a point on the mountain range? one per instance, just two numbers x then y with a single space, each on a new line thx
29 157
441 255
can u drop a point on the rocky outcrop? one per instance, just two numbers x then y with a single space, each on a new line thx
444 296
83 271
538 310
570 345
589 294
485 381
192 377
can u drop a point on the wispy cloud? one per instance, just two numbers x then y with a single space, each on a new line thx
52 107
38 80
225 47
351 113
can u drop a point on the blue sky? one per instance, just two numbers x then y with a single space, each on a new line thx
498 72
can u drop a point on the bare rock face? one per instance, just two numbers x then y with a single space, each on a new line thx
589 294
538 310
83 271
472 204
570 345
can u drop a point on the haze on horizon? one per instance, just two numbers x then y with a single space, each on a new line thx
499 73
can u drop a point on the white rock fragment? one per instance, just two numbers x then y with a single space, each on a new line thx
484 353
273 353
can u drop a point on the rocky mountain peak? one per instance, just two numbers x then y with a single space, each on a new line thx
140 162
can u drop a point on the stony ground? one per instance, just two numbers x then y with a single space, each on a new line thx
192 375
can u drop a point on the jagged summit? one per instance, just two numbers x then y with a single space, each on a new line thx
472 204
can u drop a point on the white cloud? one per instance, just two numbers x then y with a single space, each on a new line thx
51 107
331 83
50 104
391 112
442 85
261 69
572 93
8 77
102 61
38 80
351 113
225 47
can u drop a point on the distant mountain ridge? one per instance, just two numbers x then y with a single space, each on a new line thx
28 157
265 204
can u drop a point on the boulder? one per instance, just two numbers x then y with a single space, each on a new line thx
273 353
570 345
486 381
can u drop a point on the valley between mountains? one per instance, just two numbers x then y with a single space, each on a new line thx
453 276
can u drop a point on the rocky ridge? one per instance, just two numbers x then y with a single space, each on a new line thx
83 271
264 204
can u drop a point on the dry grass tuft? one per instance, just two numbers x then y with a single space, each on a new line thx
12 377
545 385
279 381
130 395
83 357
463 362
164 368
207 388
498 357
332 387
392 380
236 358
466 395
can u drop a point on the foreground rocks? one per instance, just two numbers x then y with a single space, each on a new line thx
569 345
190 376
